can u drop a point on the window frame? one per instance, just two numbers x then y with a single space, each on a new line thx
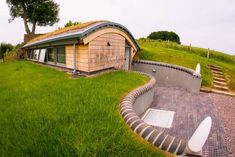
64 47
55 53
36 54
47 55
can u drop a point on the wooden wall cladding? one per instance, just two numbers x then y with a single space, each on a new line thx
103 55
81 57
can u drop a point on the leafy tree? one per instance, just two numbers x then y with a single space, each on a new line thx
34 12
70 23
165 35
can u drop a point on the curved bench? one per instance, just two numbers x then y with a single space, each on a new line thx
131 108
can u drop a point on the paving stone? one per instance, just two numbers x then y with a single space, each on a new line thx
190 110
225 107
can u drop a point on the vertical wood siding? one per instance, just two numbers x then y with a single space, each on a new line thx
97 55
81 57
102 56
69 56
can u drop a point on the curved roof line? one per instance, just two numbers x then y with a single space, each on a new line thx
81 33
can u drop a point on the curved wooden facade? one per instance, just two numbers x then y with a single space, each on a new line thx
98 46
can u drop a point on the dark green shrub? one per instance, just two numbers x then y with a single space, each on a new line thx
5 47
70 23
165 35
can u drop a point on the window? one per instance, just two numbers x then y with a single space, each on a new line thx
28 54
50 55
42 55
31 54
61 55
56 55
36 54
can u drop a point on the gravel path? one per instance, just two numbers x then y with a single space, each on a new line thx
190 110
225 107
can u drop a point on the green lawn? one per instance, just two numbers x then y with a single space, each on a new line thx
181 55
43 112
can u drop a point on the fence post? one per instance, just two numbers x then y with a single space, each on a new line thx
208 53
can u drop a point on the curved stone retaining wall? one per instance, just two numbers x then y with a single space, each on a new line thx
170 74
134 104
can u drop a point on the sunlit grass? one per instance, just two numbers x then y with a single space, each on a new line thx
43 112
181 55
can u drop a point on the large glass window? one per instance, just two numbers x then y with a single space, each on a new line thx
50 55
36 54
31 54
56 55
61 55
28 54
42 55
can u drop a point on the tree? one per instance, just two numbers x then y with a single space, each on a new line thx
70 23
34 13
165 35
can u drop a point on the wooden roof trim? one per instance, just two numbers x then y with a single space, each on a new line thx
102 31
83 33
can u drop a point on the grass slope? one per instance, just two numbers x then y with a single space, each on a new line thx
43 112
172 53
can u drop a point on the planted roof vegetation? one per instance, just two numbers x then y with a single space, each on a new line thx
64 30
77 31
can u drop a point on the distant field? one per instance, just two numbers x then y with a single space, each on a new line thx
44 112
173 53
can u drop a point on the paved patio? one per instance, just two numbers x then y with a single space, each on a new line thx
190 110
225 107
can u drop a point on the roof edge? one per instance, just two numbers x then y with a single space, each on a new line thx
85 33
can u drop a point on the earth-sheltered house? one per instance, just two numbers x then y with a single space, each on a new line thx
87 47
96 46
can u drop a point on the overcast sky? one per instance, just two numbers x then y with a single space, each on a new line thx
203 23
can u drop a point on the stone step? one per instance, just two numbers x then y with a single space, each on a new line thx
218 75
205 89
219 79
208 90
214 66
222 92
220 83
215 69
217 72
224 88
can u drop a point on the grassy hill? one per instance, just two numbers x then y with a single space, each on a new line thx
44 112
173 53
